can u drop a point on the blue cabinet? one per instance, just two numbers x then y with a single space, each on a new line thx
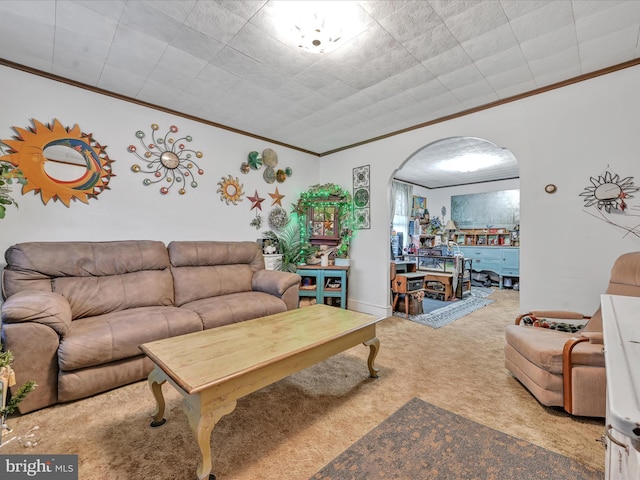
326 284
504 261
510 262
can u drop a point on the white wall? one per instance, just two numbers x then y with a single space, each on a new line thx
564 137
130 210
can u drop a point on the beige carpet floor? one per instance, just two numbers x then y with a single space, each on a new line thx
291 429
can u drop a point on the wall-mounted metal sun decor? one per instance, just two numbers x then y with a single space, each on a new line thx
230 190
609 194
167 160
59 163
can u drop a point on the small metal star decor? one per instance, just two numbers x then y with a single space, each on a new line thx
256 203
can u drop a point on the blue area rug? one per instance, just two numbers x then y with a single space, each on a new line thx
438 314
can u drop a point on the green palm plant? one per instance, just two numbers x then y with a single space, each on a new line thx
289 245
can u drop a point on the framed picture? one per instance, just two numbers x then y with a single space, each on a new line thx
318 229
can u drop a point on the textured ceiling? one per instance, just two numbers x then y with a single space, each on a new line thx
408 63
432 166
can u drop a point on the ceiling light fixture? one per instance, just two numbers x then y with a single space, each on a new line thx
470 162
320 27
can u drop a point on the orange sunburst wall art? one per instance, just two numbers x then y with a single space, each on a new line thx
87 161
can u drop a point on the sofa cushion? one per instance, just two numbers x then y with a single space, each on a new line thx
32 265
204 269
85 382
90 296
195 283
235 307
114 336
543 347
207 253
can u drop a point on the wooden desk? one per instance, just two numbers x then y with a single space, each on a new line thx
404 266
441 269
406 283
212 369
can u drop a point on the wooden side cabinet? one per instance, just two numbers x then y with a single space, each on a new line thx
327 285
406 283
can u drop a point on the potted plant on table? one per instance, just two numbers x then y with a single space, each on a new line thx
287 241
342 252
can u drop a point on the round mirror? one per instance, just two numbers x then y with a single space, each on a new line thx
64 163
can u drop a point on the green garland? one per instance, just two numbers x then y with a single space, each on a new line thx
328 194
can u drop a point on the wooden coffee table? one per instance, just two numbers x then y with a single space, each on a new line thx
212 369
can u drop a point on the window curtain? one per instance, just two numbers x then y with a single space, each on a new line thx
402 202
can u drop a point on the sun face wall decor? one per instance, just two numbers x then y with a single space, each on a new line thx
59 163
167 159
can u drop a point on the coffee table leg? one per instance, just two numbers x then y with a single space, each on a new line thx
156 380
202 424
374 346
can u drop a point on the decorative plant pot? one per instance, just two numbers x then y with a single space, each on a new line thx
342 262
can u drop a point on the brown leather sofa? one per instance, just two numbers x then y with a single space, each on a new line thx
74 313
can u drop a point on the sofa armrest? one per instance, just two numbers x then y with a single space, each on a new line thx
46 308
274 282
35 352
594 337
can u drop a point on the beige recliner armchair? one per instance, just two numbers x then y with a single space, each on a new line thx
567 369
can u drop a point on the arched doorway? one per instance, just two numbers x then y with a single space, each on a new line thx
447 167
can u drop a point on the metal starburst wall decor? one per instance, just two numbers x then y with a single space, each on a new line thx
167 160
611 195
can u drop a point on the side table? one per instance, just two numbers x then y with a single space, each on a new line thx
406 283
326 284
